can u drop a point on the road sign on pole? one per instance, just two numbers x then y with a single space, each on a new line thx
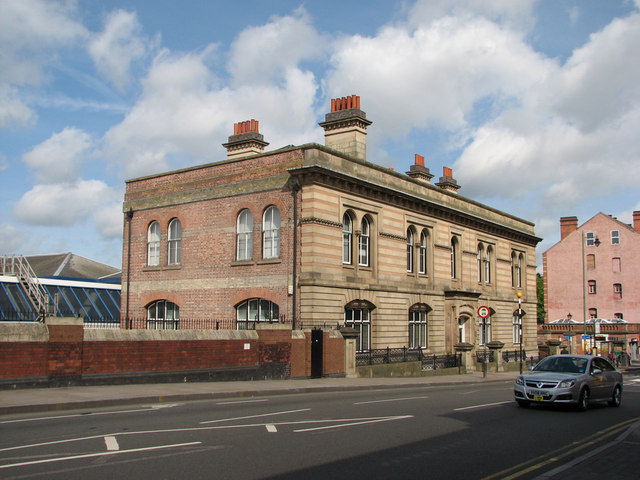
484 312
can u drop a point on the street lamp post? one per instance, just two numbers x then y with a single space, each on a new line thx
519 294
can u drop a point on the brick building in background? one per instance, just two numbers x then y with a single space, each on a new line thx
592 274
315 235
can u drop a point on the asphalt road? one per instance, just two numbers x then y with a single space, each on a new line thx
465 431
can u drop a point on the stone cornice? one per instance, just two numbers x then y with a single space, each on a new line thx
317 174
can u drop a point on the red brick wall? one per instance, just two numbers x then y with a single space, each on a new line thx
152 356
209 283
23 359
333 354
20 359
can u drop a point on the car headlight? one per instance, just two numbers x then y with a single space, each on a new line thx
566 383
519 381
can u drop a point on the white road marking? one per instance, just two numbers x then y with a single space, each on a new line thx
111 443
390 400
481 406
383 419
91 455
57 417
271 428
256 416
241 401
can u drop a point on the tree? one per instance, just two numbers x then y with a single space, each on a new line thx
540 292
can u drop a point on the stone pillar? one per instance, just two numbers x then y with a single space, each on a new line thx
465 349
496 349
66 336
350 335
553 344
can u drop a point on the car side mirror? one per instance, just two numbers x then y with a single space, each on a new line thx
596 371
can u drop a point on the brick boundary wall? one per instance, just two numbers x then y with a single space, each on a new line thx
61 352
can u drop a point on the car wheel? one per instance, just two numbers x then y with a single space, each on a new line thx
522 403
583 400
616 397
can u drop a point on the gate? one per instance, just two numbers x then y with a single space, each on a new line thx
316 353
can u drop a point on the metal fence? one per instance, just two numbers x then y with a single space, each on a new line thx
388 355
180 324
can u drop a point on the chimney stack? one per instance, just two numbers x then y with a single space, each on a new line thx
567 225
636 221
245 141
418 171
345 128
447 182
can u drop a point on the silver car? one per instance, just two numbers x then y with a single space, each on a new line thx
570 379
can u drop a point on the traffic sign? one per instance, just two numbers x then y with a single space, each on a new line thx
484 312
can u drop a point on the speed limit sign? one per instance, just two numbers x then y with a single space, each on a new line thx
484 312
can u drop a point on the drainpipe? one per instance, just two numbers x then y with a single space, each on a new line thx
295 190
129 218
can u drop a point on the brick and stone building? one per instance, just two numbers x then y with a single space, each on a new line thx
318 236
591 275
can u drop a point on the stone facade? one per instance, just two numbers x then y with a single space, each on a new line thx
417 250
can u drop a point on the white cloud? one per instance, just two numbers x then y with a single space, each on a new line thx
30 30
13 111
185 112
12 239
433 76
518 15
118 46
109 220
61 204
260 55
59 158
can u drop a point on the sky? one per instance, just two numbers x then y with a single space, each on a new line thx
535 105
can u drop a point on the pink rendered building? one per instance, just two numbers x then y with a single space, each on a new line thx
592 273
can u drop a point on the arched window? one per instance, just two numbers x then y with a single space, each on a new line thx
592 286
517 325
256 310
454 257
410 250
163 315
153 244
513 269
479 262
174 242
593 313
364 243
462 329
519 270
422 254
419 326
244 236
357 315
487 265
271 233
484 327
347 238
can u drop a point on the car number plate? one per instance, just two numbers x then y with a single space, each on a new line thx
538 395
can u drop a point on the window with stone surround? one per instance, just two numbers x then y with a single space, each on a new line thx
254 311
347 238
174 242
364 243
244 236
271 233
153 244
163 315
419 326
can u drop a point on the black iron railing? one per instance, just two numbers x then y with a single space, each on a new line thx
382 356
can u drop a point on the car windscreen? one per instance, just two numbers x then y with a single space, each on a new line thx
562 365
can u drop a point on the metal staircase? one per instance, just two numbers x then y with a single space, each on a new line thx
18 266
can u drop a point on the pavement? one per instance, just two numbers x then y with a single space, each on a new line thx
618 458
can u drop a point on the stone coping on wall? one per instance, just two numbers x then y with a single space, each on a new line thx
24 332
118 335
